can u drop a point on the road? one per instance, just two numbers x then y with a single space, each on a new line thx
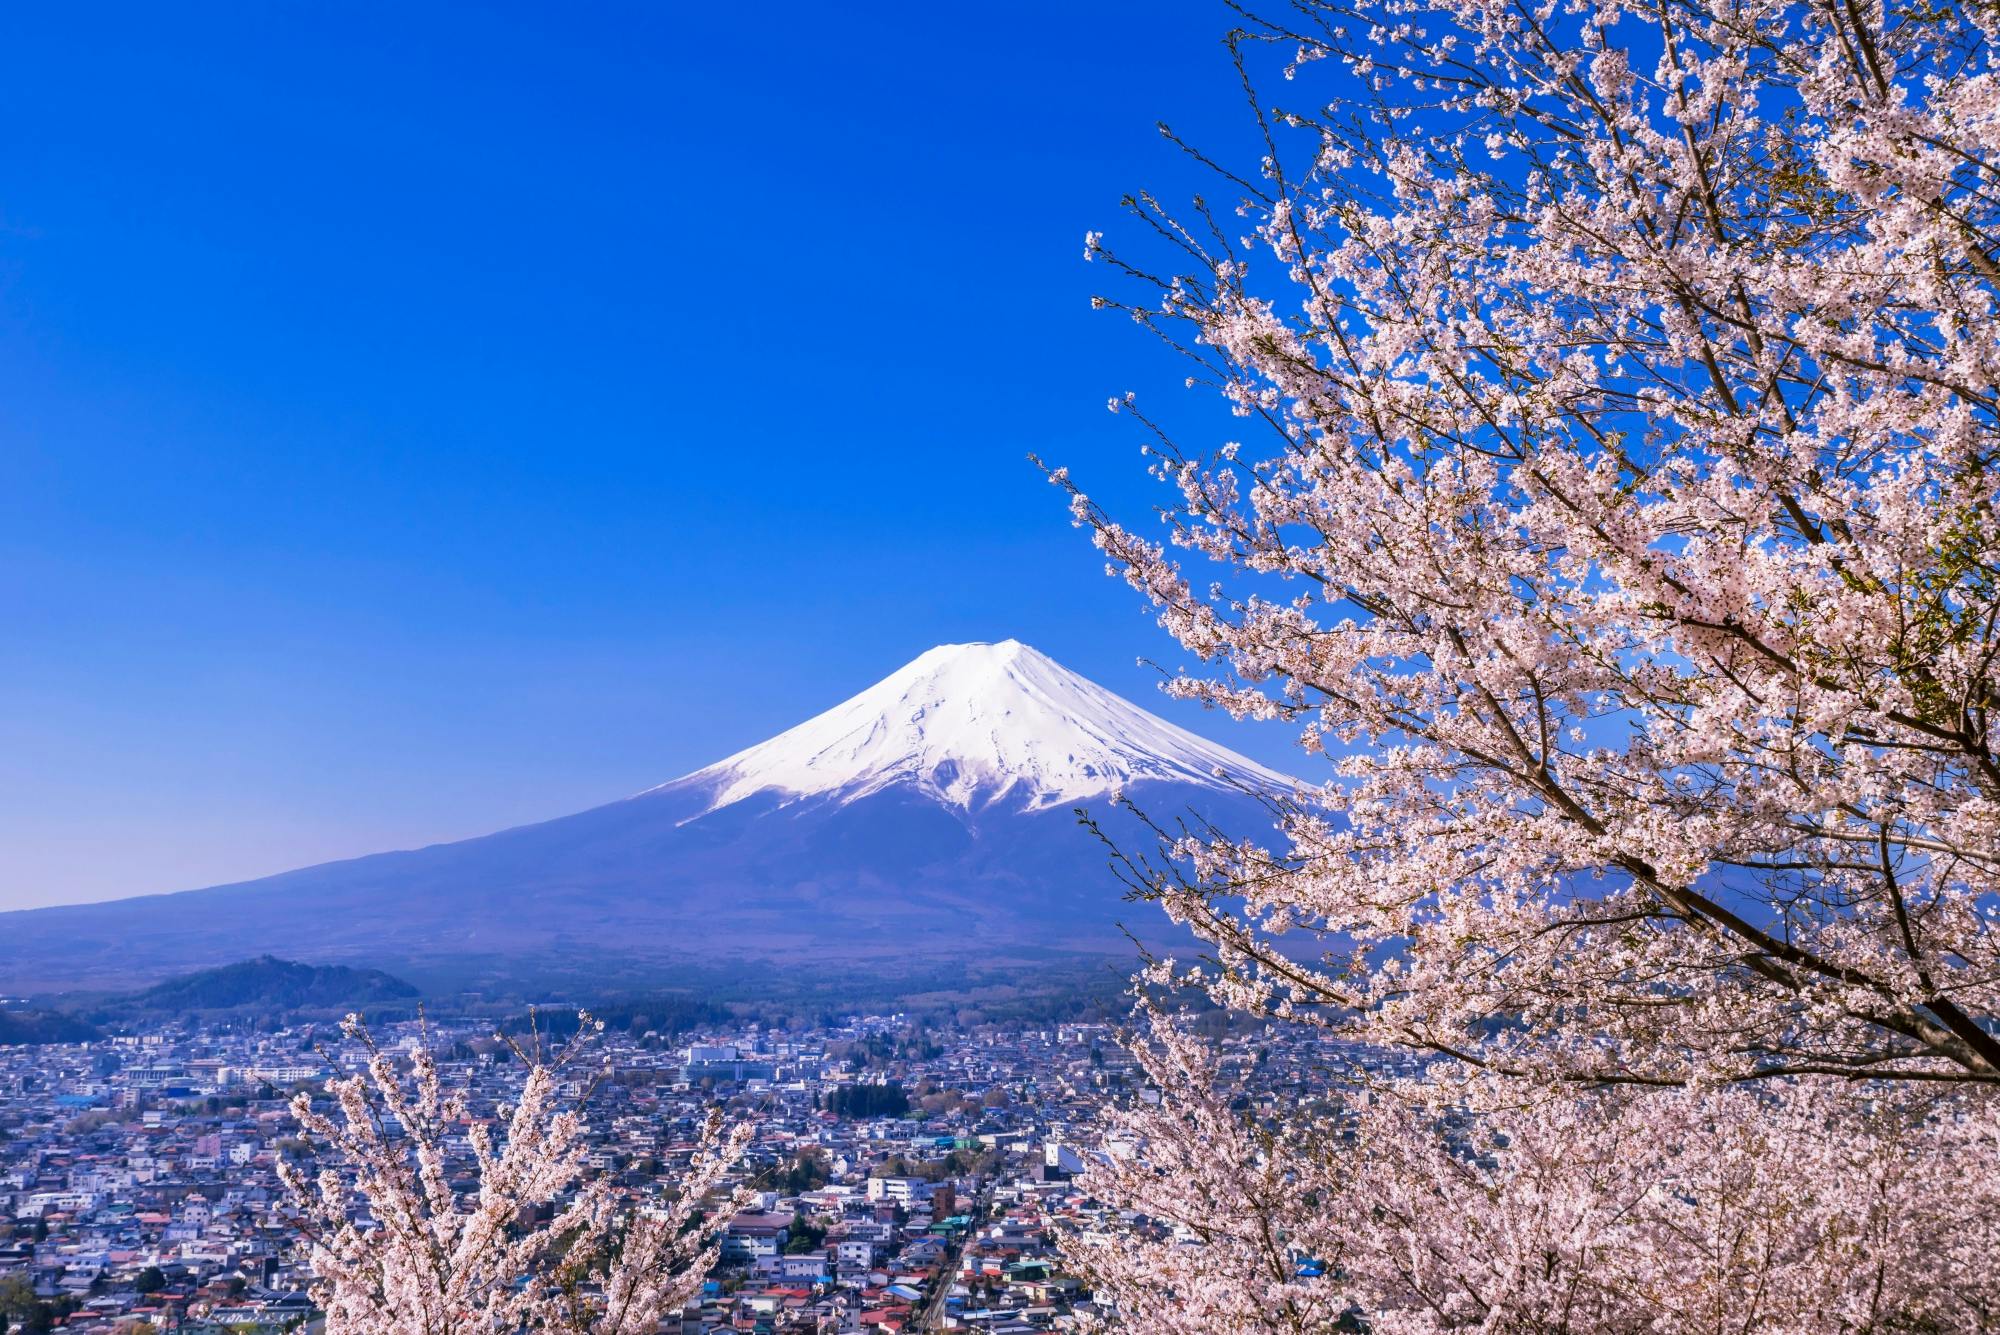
932 1312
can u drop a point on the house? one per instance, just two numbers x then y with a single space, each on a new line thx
756 1238
854 1254
898 1190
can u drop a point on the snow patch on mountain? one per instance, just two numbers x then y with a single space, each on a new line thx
972 724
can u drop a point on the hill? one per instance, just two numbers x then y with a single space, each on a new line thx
268 983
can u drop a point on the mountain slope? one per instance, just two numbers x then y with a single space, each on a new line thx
929 818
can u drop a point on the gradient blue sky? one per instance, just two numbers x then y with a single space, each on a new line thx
415 419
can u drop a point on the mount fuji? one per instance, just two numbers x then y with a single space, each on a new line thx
930 817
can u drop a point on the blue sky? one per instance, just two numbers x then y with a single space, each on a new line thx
415 420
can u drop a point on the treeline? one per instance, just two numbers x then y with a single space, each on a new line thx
884 1100
24 1027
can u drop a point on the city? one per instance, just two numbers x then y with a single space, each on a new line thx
139 1173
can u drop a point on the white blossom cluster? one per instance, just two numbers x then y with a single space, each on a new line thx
541 1245
1616 510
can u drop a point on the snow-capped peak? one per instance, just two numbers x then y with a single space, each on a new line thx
972 723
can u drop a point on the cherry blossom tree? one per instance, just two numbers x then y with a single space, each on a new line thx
543 1243
1624 518
1610 1210
1613 507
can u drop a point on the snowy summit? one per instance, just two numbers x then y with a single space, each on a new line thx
971 724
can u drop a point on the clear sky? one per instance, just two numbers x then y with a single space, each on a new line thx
419 419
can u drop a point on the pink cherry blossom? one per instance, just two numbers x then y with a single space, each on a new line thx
398 1252
1612 502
